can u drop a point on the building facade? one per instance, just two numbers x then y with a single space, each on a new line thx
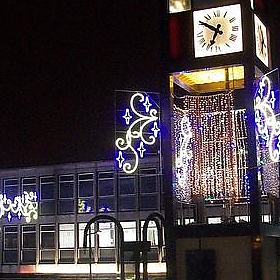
66 197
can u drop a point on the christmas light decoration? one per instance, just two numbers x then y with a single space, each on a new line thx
267 121
142 121
25 205
210 148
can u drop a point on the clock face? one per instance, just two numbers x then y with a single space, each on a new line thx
261 41
217 31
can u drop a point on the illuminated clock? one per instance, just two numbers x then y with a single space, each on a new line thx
261 41
217 31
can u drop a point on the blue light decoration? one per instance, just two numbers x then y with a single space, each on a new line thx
25 205
267 110
141 131
266 118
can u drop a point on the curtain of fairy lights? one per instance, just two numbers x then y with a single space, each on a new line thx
210 148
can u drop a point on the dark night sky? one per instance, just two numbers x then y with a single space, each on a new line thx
60 62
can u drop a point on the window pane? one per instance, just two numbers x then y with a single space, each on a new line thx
11 187
107 234
10 237
66 236
81 235
86 185
29 237
66 206
129 229
106 187
66 186
127 185
127 202
10 257
47 237
148 202
47 188
47 207
148 184
85 205
106 204
29 184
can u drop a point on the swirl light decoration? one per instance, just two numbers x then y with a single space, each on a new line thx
267 121
142 123
210 148
25 206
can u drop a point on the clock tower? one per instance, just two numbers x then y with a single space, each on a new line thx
224 102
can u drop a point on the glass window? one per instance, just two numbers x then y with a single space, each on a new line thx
10 250
66 236
47 195
10 237
148 181
152 233
47 243
28 184
106 186
127 185
66 206
85 185
106 183
47 187
66 243
47 237
66 194
81 235
66 186
149 202
127 203
106 204
28 250
129 229
107 234
11 187
85 193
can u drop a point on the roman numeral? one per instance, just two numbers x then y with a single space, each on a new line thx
217 13
207 47
235 28
218 48
200 34
201 41
225 14
233 37
232 19
208 17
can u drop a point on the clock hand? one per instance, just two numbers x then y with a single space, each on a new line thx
217 31
213 28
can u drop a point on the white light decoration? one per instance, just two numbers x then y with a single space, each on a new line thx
25 206
267 123
267 135
142 131
210 148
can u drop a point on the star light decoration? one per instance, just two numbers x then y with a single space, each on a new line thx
142 121
25 205
267 136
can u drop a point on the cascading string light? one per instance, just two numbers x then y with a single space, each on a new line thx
218 133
